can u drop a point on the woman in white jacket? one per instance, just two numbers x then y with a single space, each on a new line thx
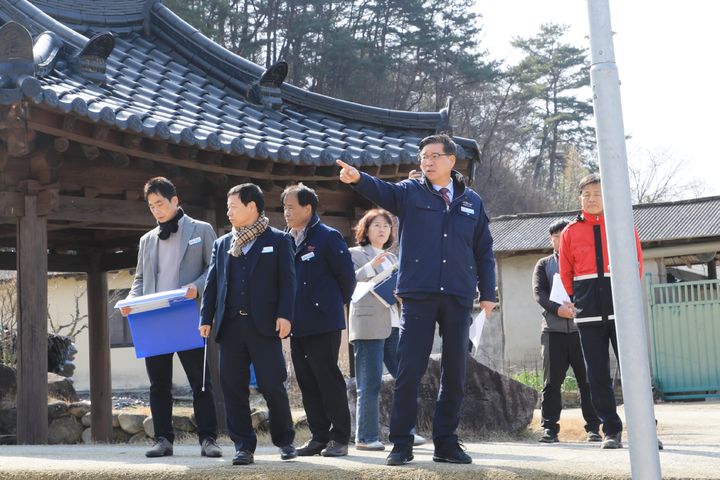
374 326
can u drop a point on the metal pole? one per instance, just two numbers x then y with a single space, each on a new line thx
205 341
627 289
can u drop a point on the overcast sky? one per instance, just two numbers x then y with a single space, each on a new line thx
666 52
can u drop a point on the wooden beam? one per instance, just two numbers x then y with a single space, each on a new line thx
55 262
103 211
32 412
14 131
99 343
50 122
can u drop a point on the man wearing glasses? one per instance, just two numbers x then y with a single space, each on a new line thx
445 259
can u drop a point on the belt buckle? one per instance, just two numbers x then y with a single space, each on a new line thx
242 312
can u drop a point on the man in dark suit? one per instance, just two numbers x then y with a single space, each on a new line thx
250 292
175 253
325 283
446 258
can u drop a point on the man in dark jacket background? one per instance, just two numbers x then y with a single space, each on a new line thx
560 348
446 258
325 283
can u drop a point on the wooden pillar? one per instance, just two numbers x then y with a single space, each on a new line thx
32 345
99 343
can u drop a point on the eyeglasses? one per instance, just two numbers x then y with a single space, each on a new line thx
434 156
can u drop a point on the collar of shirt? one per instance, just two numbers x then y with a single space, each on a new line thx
298 235
246 248
449 186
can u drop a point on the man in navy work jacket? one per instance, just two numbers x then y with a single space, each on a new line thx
250 292
445 258
325 283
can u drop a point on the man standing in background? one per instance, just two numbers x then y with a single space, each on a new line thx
560 348
325 284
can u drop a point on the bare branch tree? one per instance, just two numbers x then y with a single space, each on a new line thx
77 321
657 175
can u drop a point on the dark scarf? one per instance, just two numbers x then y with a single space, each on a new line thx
244 235
171 226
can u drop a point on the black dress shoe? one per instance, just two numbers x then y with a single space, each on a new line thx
451 453
288 452
400 455
243 457
335 449
162 448
311 448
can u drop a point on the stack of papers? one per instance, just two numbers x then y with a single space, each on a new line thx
153 301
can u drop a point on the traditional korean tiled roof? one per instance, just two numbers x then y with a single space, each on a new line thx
159 77
696 219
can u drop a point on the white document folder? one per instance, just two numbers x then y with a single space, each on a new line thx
558 293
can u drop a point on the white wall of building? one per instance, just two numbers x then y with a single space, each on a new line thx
521 315
127 371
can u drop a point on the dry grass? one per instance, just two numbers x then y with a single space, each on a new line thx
572 426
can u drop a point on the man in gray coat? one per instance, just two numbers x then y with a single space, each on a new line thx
560 349
172 255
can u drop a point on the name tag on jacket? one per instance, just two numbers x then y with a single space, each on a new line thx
469 211
195 241
268 249
307 256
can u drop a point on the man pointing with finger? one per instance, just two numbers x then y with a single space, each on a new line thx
446 260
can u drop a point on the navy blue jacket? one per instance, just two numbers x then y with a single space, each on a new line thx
271 286
442 250
325 280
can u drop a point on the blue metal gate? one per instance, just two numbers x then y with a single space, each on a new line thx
685 338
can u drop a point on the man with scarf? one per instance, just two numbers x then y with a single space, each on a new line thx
250 294
325 283
175 254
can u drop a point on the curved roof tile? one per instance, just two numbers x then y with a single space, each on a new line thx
175 84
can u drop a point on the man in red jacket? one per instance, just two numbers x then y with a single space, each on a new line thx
585 273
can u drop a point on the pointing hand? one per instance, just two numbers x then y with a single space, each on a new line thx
348 173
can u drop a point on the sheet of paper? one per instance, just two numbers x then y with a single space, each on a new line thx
386 265
558 293
476 328
361 289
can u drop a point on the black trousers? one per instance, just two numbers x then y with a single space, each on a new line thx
323 388
560 351
241 345
416 340
160 372
596 337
